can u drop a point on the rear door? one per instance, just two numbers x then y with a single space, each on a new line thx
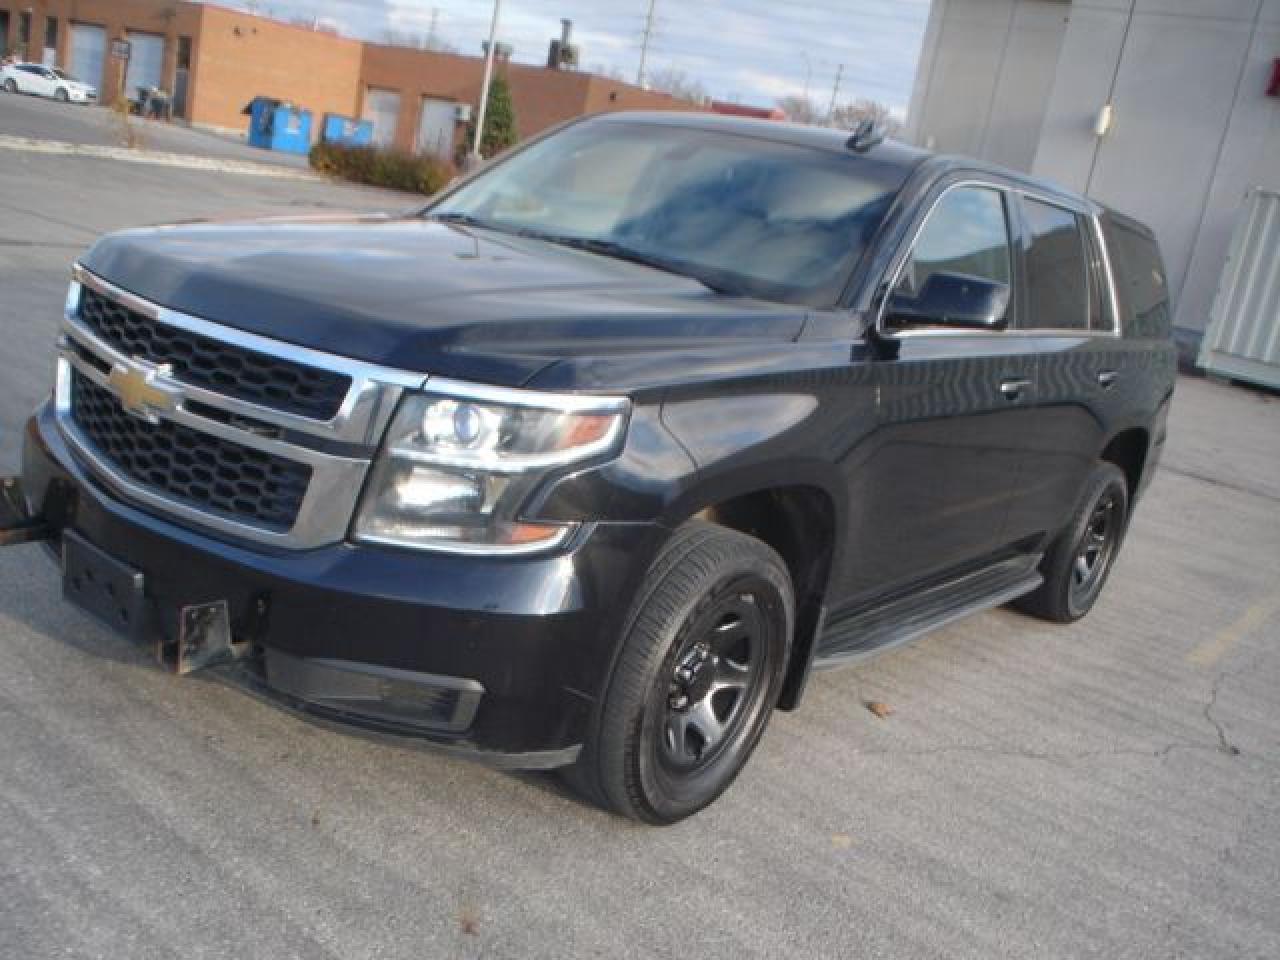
1069 320
931 488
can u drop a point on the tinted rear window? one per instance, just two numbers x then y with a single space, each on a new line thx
1140 280
1057 268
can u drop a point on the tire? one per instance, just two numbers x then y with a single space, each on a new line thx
11 85
1073 581
700 670
61 95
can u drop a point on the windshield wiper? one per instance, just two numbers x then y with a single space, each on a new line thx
620 251
463 219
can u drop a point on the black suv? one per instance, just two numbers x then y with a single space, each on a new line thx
589 463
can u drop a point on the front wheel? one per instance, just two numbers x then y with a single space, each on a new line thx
61 95
695 682
1077 563
11 85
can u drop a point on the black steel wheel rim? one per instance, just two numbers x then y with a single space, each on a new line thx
718 674
1096 548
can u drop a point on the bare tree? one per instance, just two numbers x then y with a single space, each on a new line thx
417 41
677 83
609 73
316 24
849 115
799 109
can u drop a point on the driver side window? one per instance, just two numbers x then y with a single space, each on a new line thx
966 236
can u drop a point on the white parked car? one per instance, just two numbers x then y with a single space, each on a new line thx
42 81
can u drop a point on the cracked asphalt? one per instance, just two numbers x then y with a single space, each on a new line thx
1110 789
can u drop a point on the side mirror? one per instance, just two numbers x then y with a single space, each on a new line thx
951 300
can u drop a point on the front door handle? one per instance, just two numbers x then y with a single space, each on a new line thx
1013 388
1107 379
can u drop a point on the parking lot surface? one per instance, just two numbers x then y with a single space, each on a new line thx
1109 789
95 126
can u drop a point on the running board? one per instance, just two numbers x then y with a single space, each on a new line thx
864 635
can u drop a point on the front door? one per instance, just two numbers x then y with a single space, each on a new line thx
930 489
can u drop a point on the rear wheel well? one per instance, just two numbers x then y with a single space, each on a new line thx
799 523
1128 451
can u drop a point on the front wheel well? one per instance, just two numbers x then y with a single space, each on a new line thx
799 523
1128 451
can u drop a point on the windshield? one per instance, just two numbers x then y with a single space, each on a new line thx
742 214
63 76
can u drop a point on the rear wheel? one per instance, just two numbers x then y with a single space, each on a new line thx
696 680
11 85
1078 562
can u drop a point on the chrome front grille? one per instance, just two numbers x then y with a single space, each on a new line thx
260 378
162 427
196 468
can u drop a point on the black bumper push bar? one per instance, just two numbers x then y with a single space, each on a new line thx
17 524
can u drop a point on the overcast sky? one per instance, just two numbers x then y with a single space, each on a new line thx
750 50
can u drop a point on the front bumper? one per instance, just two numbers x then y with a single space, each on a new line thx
506 656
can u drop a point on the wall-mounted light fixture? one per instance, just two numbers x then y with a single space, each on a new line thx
1102 123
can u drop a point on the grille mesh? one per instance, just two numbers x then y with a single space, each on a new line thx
204 362
203 471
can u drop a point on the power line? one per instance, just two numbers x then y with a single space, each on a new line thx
644 44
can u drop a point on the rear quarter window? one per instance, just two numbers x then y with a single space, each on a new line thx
1141 284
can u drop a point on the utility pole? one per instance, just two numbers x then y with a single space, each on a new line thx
644 44
431 30
484 84
835 92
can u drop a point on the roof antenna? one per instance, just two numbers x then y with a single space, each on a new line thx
866 135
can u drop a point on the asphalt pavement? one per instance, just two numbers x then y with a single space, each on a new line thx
26 116
1109 789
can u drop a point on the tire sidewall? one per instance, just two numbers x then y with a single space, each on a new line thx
618 761
671 798
1108 479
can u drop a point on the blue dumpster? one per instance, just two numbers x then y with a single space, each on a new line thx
274 125
347 131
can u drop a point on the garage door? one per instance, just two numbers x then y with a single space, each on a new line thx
382 108
146 62
88 53
436 126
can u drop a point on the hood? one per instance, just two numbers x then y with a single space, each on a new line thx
429 297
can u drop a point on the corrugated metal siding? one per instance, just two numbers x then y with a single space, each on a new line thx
1243 338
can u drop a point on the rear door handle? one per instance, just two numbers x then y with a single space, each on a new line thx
1107 379
1013 388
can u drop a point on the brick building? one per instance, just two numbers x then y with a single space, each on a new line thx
215 60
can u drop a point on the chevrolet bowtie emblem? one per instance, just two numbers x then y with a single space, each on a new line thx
140 394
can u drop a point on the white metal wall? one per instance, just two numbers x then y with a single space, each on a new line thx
1193 130
1243 339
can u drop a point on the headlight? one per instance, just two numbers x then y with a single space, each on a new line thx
459 461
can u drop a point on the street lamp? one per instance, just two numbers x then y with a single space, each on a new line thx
484 84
